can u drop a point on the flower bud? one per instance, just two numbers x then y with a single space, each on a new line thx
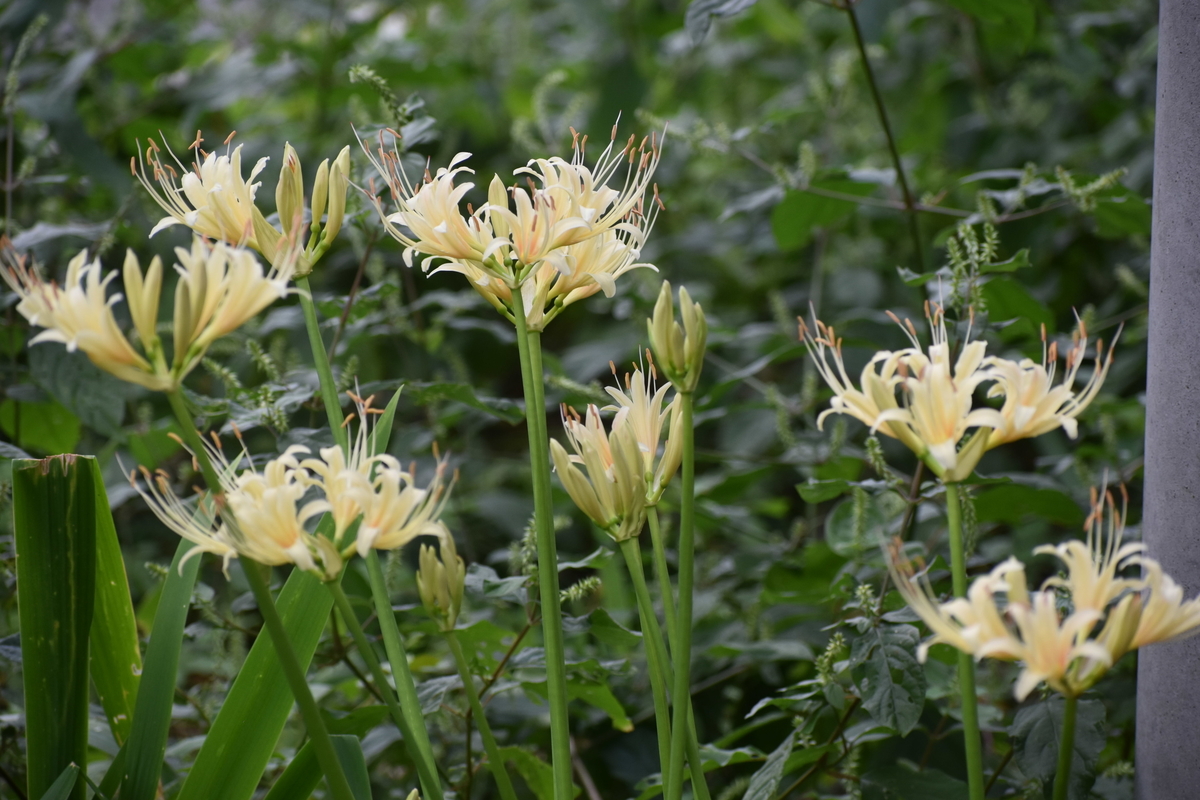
339 183
440 580
678 350
289 192
142 294
320 193
498 199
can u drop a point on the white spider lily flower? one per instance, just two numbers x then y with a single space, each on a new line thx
1033 405
1052 646
79 314
192 523
537 240
441 578
214 200
643 407
396 510
611 488
1165 615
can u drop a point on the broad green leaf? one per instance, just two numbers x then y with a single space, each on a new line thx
54 514
66 782
820 491
87 391
849 534
1020 260
116 657
538 775
1008 300
610 632
1012 18
502 408
793 220
44 427
897 782
889 677
302 775
1013 502
1121 214
156 693
765 782
243 736
601 696
1037 732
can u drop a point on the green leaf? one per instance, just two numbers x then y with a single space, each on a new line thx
1013 502
302 775
1008 300
44 428
383 427
1012 18
87 391
765 782
243 736
67 781
601 696
612 633
1020 260
116 657
889 677
700 14
350 755
915 278
502 408
840 527
54 514
1123 213
156 694
793 220
1037 731
898 782
538 775
819 491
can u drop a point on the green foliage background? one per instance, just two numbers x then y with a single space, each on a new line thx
1002 112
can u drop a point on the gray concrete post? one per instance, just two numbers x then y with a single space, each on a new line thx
1168 694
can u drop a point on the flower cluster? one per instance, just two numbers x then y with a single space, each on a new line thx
441 578
1108 615
214 200
926 402
623 471
564 237
262 515
219 289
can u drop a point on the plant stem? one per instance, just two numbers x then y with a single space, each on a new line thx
656 657
699 785
326 756
683 626
329 394
495 762
430 784
1066 749
406 687
529 346
966 664
910 207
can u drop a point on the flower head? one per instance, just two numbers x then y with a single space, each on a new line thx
1033 405
563 237
612 486
396 510
441 577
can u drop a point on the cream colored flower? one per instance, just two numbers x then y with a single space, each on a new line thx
395 511
537 241
260 515
213 199
79 314
1052 646
612 487
1165 614
1033 405
641 406
678 348
440 580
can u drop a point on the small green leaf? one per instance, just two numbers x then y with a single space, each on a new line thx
1020 260
350 755
821 491
45 427
898 782
502 408
610 632
67 781
793 220
889 677
538 775
915 278
1121 214
54 514
1037 731
1008 300
303 773
765 782
1013 502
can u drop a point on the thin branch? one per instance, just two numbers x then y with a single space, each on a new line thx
585 777
999 770
358 276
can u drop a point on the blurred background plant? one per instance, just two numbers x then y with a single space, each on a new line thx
1024 133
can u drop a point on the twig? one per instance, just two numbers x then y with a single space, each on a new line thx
358 276
13 784
1000 769
585 777
820 762
344 656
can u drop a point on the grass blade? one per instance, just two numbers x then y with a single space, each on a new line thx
350 754
67 781
54 510
152 710
116 658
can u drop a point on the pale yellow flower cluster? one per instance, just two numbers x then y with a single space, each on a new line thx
1109 615
219 289
622 472
928 403
214 200
261 517
563 237
441 578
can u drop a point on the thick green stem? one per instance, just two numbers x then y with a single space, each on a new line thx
656 657
406 687
529 346
966 664
696 764
683 627
329 394
326 756
495 762
426 771
1066 749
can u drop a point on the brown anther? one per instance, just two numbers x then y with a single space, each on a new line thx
1053 352
1043 331
175 437
893 318
228 138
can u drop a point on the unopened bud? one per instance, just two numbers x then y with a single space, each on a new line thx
339 184
678 349
498 198
320 193
289 192
440 581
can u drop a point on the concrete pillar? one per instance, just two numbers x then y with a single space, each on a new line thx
1168 694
